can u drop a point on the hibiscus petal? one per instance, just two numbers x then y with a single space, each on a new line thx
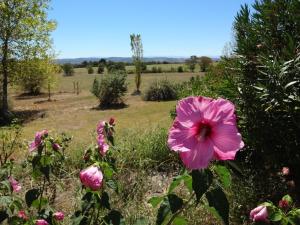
227 141
180 138
220 110
199 157
187 112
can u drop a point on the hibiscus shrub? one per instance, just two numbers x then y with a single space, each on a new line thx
204 130
110 90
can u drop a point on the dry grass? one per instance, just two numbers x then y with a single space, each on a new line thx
75 114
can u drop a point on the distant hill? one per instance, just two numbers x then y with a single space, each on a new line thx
121 59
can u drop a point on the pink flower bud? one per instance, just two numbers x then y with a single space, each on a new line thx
38 140
102 145
59 216
284 204
41 222
100 127
260 213
14 184
285 171
111 121
91 177
22 215
56 146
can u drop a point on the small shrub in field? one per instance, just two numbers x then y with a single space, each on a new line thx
101 68
161 90
154 69
68 69
180 69
110 90
90 70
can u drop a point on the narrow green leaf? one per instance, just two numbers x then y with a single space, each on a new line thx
176 181
218 200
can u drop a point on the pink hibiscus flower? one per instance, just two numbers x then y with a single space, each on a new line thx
91 177
14 184
102 145
38 140
204 129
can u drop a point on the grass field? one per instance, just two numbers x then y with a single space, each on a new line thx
74 113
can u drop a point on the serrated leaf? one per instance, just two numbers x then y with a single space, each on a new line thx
224 175
180 221
31 196
218 200
202 180
155 201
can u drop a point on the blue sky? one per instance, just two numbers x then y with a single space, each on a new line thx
101 28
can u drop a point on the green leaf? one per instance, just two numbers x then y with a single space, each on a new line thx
218 200
275 216
114 218
224 175
170 205
175 202
188 182
3 216
176 181
31 196
5 201
141 221
163 212
36 203
105 200
180 221
202 180
155 201
113 185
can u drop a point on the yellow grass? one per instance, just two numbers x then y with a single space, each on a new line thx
75 115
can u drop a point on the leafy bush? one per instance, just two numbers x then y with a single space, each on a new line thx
269 85
101 68
90 70
205 62
180 69
161 90
68 69
110 90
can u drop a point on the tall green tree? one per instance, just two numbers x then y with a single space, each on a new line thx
192 62
24 34
137 56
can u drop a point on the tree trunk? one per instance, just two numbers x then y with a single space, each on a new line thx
4 110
